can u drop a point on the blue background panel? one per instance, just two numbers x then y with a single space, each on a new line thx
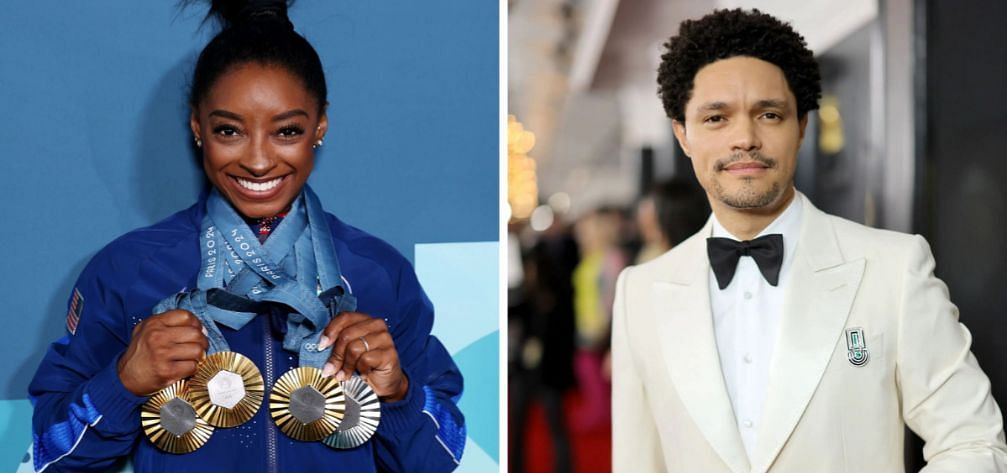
94 140
95 143
456 279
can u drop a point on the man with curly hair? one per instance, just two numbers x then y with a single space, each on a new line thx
780 338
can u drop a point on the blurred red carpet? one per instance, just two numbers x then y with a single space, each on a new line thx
591 451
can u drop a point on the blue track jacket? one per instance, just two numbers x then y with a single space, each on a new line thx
85 420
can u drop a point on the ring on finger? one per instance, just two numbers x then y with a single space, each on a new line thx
367 347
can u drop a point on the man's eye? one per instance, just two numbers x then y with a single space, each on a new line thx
714 119
772 116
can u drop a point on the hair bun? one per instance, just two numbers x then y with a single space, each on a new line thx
234 12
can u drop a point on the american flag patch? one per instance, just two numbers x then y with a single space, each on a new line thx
73 313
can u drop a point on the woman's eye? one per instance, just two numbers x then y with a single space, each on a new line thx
291 131
226 130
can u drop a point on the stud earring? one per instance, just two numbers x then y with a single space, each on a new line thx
199 142
318 143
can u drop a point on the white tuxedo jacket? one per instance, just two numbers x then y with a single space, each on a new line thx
671 411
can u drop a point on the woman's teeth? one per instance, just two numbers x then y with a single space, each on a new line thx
258 186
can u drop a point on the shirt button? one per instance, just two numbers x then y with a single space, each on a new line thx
747 358
748 295
747 423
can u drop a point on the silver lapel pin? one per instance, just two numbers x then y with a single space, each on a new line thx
856 346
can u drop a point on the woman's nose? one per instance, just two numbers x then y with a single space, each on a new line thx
257 159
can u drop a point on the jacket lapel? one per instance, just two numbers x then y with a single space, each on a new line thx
820 295
682 309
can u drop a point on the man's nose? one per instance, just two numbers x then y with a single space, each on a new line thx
745 136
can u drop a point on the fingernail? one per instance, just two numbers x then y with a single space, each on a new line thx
340 376
205 333
327 370
324 343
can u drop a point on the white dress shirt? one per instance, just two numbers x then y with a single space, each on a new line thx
746 318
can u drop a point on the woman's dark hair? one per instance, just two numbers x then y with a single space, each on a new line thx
725 34
259 32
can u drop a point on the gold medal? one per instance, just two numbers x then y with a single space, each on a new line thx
305 405
360 421
226 390
171 423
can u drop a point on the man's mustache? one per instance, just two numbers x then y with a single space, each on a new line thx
756 156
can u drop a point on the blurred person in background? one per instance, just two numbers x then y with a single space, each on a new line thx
653 240
780 338
594 278
667 215
542 362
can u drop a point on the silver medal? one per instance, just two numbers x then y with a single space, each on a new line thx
361 418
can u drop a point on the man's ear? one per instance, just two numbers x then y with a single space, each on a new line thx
679 129
802 124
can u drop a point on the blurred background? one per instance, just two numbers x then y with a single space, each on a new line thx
910 137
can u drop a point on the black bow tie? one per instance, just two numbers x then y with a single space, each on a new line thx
767 251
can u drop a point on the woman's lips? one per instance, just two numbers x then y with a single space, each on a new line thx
258 189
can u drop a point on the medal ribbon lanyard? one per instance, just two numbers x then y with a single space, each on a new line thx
227 244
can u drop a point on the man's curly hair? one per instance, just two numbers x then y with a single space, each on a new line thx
728 33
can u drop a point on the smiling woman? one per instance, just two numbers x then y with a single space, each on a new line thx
182 329
261 127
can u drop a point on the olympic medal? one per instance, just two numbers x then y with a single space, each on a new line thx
171 423
226 390
305 405
360 421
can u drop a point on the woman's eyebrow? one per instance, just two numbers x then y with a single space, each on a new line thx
292 113
225 114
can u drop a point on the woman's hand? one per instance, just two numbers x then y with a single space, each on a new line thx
164 348
362 343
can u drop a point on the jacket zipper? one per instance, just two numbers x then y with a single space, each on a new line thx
267 342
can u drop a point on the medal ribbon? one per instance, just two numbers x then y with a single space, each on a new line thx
240 277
